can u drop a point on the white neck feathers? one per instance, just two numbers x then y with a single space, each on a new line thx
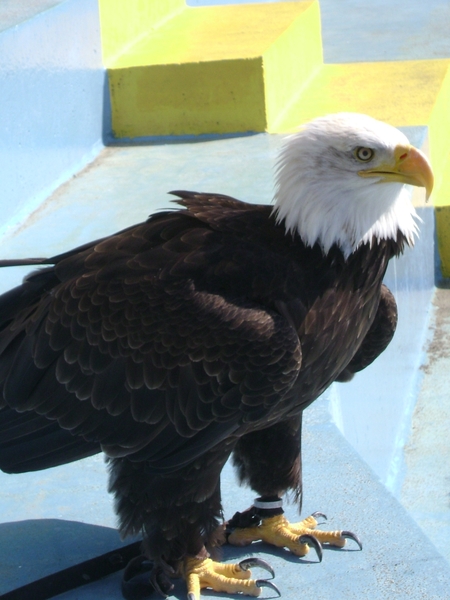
320 195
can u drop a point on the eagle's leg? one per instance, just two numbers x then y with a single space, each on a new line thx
179 529
270 462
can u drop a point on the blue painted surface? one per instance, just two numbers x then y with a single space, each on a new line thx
16 12
52 99
425 486
127 183
374 410
359 31
62 515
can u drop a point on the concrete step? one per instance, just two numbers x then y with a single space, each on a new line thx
216 69
52 99
425 486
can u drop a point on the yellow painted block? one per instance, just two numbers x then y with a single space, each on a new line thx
443 237
401 93
291 62
191 98
439 138
215 69
214 33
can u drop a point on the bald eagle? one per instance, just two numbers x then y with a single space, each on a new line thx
205 332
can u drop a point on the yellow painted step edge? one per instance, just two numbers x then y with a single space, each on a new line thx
124 22
221 96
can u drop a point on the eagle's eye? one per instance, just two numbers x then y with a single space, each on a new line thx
363 154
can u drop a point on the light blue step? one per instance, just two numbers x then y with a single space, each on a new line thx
54 108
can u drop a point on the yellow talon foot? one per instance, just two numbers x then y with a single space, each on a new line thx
203 573
297 537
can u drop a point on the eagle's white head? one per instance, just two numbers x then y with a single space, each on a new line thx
341 180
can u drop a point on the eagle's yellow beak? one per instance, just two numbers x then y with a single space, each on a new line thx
409 166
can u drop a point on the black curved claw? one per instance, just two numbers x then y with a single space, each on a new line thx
314 542
248 563
264 583
349 535
319 514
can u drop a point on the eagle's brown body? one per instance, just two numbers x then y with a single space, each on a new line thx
174 343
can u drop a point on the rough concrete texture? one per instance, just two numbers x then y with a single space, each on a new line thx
14 12
426 487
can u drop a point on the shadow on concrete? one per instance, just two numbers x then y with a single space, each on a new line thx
35 548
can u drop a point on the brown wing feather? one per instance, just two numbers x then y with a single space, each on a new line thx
160 341
154 342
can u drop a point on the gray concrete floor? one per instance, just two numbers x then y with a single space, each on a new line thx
425 492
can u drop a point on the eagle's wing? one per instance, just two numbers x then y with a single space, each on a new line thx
155 343
377 338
